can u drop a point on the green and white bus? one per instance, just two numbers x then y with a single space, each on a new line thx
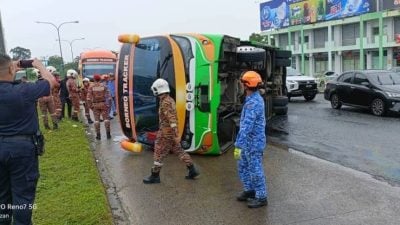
204 72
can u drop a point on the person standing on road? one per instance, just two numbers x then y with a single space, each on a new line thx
73 91
111 87
84 91
19 169
168 139
55 92
64 96
251 142
46 106
97 98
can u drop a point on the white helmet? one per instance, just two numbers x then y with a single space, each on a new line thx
160 86
72 73
51 69
85 79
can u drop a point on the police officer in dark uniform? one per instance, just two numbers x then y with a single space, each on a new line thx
19 170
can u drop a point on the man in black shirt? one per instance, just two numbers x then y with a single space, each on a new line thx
64 96
19 169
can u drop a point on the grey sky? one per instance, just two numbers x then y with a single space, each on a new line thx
100 22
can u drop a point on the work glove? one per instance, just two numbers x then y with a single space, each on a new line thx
236 153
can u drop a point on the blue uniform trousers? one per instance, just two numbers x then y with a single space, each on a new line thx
251 173
19 173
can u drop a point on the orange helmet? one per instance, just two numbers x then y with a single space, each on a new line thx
251 79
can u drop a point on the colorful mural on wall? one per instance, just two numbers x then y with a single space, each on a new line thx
275 14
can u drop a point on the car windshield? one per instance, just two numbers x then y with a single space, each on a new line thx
329 73
387 78
292 72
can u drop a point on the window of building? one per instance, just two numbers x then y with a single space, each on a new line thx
351 60
283 40
320 37
321 63
397 25
350 32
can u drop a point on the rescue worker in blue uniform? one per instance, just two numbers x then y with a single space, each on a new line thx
251 142
19 169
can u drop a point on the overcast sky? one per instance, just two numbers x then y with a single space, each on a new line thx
100 22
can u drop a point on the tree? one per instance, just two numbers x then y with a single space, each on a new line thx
20 53
55 61
258 38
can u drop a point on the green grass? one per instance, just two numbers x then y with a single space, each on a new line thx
69 189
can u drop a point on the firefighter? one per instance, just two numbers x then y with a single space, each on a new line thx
84 91
73 93
55 92
97 97
251 143
168 139
46 104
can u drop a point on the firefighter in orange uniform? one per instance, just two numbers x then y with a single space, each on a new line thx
73 91
46 104
55 92
168 139
97 97
84 91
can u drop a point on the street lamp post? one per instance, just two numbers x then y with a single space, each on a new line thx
58 33
70 45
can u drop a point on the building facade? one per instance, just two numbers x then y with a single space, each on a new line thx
366 41
2 40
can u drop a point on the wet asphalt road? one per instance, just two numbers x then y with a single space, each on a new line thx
351 137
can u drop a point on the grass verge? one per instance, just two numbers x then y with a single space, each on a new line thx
69 190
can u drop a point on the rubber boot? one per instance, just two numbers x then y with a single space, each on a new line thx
55 126
98 136
89 120
245 195
154 178
257 202
192 172
108 135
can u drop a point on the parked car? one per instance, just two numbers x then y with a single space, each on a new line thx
298 84
378 90
324 77
395 69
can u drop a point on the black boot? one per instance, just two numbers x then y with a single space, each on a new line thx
257 202
108 135
154 178
193 172
98 136
243 196
55 126
89 120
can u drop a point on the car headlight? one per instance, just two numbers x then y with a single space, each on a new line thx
291 81
393 95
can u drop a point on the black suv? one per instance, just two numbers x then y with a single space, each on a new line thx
378 90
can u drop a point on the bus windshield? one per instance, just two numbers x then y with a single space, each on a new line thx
90 69
153 59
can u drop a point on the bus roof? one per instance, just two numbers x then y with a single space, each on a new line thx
98 54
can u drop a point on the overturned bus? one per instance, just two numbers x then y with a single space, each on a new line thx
204 75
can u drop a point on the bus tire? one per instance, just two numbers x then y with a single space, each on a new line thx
280 101
280 110
283 54
282 62
251 56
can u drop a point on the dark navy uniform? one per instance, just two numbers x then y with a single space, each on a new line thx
19 169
